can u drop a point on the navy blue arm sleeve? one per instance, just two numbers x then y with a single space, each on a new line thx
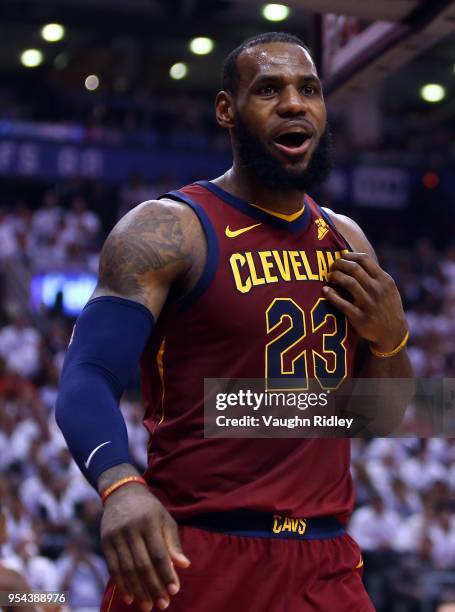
107 343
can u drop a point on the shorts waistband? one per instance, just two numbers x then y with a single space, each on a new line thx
254 524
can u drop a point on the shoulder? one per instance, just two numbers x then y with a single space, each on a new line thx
153 245
352 231
155 215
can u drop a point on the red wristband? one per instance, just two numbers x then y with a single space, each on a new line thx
123 481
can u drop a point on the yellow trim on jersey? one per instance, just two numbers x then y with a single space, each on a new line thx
112 598
289 218
159 363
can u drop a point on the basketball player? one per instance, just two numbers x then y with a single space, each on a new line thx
229 279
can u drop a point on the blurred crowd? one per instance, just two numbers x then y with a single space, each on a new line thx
405 515
143 118
50 236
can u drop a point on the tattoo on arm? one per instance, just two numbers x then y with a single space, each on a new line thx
145 243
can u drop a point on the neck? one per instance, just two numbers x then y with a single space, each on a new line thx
247 187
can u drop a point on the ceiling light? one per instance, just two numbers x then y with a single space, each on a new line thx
433 92
201 45
178 71
30 58
275 12
52 32
92 82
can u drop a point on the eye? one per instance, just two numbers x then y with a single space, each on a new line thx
267 90
309 90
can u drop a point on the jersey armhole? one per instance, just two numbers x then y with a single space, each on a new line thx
213 254
331 222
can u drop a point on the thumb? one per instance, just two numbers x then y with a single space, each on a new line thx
172 539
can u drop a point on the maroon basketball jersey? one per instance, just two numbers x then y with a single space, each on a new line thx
258 311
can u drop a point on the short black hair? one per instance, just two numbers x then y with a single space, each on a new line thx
230 73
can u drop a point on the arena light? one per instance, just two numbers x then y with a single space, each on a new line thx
31 58
433 92
92 82
201 45
178 71
275 12
53 32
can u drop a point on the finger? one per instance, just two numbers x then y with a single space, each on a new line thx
171 535
347 308
114 571
354 269
352 285
145 564
159 554
129 573
365 260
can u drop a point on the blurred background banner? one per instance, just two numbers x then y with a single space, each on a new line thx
106 104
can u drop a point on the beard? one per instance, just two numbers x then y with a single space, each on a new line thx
257 159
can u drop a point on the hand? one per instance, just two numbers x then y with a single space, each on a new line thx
376 311
141 545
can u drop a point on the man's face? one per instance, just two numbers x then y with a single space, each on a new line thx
280 117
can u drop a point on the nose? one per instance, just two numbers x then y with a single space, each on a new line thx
292 102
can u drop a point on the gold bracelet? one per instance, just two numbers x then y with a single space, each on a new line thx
123 481
395 351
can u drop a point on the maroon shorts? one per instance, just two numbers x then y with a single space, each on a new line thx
243 573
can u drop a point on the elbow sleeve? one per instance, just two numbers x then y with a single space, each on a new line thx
106 346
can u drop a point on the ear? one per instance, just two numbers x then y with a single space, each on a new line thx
224 109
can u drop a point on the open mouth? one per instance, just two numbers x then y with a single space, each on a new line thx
293 143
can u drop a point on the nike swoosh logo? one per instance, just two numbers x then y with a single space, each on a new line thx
359 564
233 233
90 457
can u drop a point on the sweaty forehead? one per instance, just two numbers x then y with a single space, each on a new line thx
273 58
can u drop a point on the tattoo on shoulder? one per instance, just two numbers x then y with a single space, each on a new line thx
146 240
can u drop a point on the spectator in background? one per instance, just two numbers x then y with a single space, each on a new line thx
8 239
10 578
82 225
403 500
374 527
136 191
82 573
19 345
46 218
133 191
420 471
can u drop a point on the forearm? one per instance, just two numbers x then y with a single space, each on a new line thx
107 343
398 366
383 390
88 414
